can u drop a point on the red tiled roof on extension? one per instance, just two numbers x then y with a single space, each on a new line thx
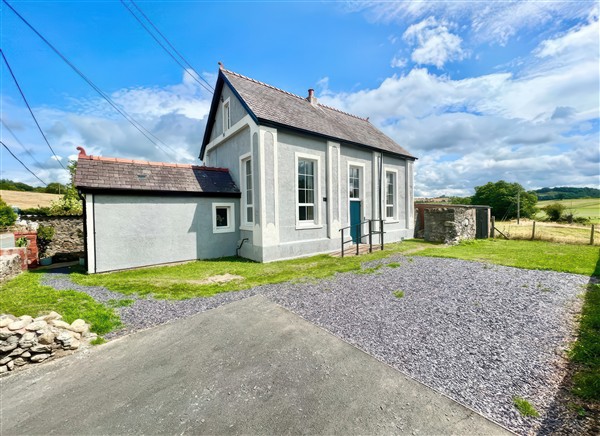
106 173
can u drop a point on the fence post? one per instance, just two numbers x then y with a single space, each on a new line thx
381 230
370 236
533 231
493 229
342 242
592 236
359 238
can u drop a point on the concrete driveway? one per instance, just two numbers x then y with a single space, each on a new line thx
249 367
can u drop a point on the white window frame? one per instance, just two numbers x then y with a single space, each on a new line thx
230 217
393 171
246 225
226 115
315 223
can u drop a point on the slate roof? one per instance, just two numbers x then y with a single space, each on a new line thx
95 173
270 105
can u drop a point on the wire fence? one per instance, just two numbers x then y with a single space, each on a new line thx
553 232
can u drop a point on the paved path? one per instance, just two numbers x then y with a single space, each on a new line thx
248 367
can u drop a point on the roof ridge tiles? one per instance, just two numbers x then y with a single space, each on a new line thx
292 94
342 112
263 83
154 164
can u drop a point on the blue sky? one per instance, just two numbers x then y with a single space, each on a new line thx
479 91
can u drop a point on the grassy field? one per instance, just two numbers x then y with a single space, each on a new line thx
581 207
548 231
26 200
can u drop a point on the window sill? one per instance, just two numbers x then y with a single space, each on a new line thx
394 221
247 227
223 230
308 226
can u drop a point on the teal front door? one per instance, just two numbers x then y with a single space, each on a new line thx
354 221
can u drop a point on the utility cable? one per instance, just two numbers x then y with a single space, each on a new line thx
29 107
21 144
187 65
149 135
19 160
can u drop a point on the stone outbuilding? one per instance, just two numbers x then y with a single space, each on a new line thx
451 223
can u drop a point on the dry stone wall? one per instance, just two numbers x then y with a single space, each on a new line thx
11 265
26 340
449 225
67 243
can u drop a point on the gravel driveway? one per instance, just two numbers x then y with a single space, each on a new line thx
481 334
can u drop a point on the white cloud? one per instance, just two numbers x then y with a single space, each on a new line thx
492 21
175 114
398 62
435 45
538 126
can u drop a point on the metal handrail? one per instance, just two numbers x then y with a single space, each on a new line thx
361 235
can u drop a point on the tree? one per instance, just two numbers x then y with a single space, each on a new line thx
55 188
555 211
502 197
7 215
70 203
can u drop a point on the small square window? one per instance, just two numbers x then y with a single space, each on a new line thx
223 218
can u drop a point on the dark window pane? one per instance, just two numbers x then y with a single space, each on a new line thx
249 214
221 216
302 213
390 211
301 196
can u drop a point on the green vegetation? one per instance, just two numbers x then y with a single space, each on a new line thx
586 351
24 295
70 203
554 211
525 407
98 341
577 259
190 280
52 188
119 303
566 193
45 234
398 293
502 197
393 265
7 215
580 208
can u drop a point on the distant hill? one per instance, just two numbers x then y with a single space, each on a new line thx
566 193
52 188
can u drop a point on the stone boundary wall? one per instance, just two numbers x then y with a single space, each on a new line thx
11 265
26 340
67 243
449 224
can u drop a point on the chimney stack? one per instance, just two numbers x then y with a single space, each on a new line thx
311 97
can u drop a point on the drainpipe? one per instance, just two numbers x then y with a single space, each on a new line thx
380 191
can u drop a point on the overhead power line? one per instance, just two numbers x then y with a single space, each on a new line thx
147 134
21 144
182 60
29 107
25 166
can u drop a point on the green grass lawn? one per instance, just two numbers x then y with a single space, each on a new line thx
577 259
586 351
184 280
24 295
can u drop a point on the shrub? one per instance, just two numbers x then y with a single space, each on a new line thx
37 211
68 205
45 234
7 215
554 211
21 242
